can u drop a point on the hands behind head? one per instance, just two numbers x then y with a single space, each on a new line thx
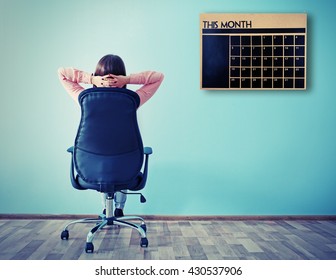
110 80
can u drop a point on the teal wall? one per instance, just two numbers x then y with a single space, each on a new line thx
215 152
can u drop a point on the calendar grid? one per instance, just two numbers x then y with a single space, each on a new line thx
267 61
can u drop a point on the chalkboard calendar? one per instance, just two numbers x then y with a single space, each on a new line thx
253 51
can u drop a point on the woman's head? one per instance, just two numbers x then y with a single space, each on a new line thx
110 64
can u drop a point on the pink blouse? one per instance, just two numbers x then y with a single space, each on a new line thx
71 78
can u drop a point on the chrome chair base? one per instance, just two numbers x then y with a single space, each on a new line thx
109 220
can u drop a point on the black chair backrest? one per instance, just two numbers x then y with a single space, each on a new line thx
108 148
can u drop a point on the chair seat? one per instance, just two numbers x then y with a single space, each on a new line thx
134 186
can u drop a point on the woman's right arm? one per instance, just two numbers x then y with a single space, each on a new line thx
150 81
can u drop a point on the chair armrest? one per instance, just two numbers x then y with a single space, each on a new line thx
148 150
73 178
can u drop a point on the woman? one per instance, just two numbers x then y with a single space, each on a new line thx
110 72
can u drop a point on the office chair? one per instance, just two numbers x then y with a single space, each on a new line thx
108 155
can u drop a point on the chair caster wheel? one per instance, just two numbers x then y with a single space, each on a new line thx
89 247
144 242
65 235
144 227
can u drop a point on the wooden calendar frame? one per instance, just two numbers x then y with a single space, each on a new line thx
253 51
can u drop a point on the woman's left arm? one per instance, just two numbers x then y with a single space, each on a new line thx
70 78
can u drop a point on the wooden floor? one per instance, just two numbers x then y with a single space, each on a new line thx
173 240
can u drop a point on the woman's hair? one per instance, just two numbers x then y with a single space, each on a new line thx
110 64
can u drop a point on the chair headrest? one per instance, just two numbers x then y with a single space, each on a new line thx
97 90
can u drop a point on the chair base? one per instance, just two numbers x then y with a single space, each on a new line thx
108 220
